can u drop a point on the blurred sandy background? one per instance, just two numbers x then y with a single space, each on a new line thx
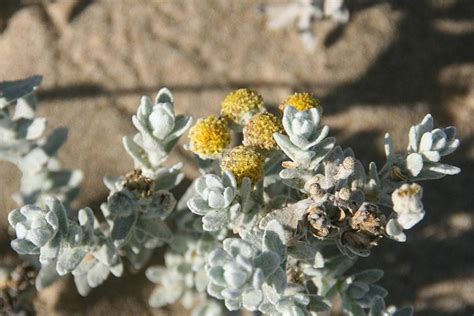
383 71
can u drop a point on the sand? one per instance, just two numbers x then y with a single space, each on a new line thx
383 71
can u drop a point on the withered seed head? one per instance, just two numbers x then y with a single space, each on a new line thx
316 191
135 181
368 218
344 194
295 275
319 223
349 163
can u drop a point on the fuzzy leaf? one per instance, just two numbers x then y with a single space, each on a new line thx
69 258
414 163
252 299
12 90
214 220
234 276
97 274
24 247
15 217
164 96
322 150
267 261
55 140
278 280
218 257
198 206
49 252
377 307
57 207
46 276
155 228
444 169
168 178
36 129
135 151
81 285
274 238
122 228
369 276
388 146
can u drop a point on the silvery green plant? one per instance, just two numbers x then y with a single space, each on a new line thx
239 269
425 149
272 227
305 142
136 208
136 211
217 200
221 203
303 13
23 143
183 278
158 131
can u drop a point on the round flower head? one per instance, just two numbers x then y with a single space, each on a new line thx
301 101
243 162
259 131
209 137
240 105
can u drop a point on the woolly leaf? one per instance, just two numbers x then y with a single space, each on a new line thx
274 238
97 274
46 276
122 228
214 220
24 247
369 276
252 299
69 258
267 261
377 307
12 90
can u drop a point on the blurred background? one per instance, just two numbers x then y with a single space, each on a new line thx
392 63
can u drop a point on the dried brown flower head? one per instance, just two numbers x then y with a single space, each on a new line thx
319 223
135 181
368 218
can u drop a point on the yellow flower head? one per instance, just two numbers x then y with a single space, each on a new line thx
209 137
239 105
243 162
259 131
301 101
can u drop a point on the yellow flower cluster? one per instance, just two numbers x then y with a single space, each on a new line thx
243 162
302 101
239 105
259 131
209 137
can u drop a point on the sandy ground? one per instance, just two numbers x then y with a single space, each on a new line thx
387 68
